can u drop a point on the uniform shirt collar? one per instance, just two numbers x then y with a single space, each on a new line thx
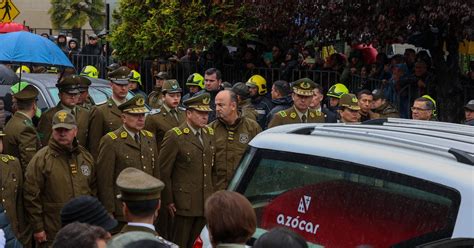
118 102
132 134
142 225
19 112
168 109
68 109
192 129
301 114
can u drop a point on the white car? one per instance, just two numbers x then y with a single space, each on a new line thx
398 182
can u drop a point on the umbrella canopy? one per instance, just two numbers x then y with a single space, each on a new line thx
27 48
7 76
7 27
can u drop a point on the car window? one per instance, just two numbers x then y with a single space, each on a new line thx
335 203
6 96
98 95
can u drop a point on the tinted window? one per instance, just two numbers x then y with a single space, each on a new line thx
340 204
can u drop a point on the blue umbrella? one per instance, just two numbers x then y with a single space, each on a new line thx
28 48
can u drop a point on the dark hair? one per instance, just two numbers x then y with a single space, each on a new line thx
283 87
211 71
79 235
428 103
142 208
410 50
398 58
363 92
24 104
319 88
280 237
230 217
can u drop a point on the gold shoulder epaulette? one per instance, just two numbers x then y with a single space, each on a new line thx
112 135
177 131
282 113
211 131
147 133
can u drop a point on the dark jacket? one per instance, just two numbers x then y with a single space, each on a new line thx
329 116
263 106
279 104
11 240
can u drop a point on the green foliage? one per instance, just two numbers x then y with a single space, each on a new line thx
150 28
73 14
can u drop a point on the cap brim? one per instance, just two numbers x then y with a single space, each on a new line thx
202 108
119 81
303 92
172 91
64 125
351 107
132 111
471 108
71 91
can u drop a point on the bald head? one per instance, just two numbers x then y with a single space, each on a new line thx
226 106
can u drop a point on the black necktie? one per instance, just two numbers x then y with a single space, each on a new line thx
303 118
137 138
198 135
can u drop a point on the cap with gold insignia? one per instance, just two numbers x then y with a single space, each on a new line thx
121 75
136 185
71 84
64 119
136 105
171 86
28 93
349 101
304 87
199 102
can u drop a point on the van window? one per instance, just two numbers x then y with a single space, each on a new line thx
335 203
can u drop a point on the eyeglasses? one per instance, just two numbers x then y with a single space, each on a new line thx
419 109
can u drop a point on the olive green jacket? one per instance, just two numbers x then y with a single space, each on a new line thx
386 110
54 176
161 121
11 180
21 139
117 151
290 116
45 124
186 169
231 143
103 119
248 110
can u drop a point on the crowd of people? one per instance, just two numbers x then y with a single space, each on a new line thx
159 163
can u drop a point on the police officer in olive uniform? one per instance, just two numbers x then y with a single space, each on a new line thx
56 174
128 146
155 98
244 102
140 194
186 160
169 115
68 96
107 117
300 112
11 180
21 138
232 133
84 98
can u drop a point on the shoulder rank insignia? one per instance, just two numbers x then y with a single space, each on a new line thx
177 131
11 157
311 114
112 135
5 159
123 134
293 115
148 133
318 113
282 113
186 130
211 131
155 111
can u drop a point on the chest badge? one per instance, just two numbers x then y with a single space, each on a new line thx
244 138
86 171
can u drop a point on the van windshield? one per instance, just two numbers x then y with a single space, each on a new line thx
334 203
